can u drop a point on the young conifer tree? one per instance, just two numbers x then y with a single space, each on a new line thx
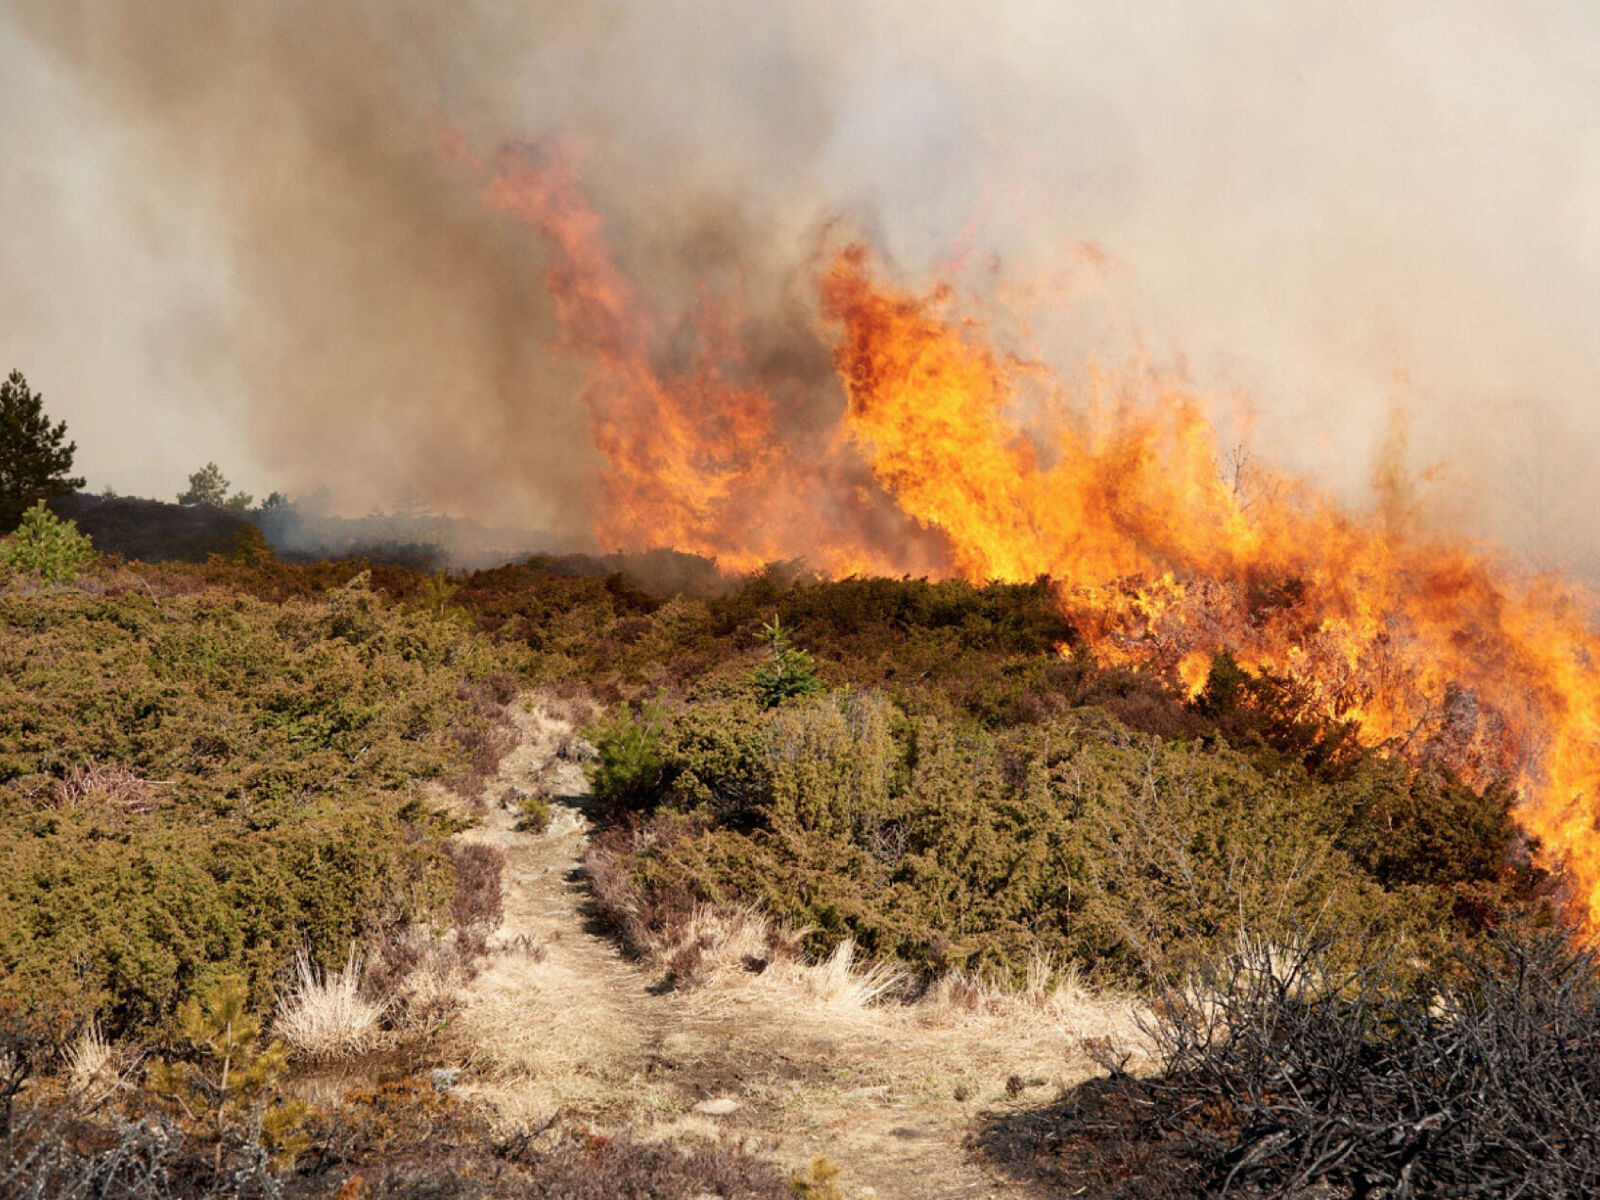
34 455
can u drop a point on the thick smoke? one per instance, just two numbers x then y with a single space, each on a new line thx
230 231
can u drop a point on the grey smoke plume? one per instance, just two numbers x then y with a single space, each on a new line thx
229 231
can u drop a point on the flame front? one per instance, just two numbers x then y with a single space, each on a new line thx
1422 643
1428 645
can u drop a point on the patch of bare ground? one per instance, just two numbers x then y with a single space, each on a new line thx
796 1060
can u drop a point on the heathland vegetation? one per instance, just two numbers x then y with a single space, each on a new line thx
225 786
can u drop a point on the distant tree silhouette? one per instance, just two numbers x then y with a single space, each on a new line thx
210 486
34 456
410 506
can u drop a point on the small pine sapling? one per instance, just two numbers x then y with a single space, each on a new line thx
47 546
820 1181
790 672
230 1090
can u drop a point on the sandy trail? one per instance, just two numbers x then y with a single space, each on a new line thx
558 1024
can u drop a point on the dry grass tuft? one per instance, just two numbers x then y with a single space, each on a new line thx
726 949
420 976
954 994
718 941
96 1068
1050 998
325 1016
569 702
117 787
837 982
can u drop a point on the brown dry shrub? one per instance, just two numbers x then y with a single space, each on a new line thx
403 1140
394 959
502 687
568 700
596 1167
478 904
485 734
688 967
481 745
642 919
419 976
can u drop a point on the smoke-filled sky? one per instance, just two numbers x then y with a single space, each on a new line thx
228 231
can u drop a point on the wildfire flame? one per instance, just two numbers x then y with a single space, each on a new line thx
1428 645
695 455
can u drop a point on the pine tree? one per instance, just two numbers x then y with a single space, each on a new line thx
790 672
231 1088
208 485
33 459
47 546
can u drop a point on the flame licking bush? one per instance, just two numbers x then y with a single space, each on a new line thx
1115 493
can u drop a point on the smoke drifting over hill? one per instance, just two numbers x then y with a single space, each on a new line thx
232 232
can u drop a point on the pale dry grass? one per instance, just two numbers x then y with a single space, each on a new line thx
542 1034
728 937
95 1067
839 984
564 707
728 942
719 941
533 1019
324 1016
1055 1027
1051 995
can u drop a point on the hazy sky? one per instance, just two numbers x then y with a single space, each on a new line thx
226 232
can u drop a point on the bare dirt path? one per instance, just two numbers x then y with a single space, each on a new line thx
558 1024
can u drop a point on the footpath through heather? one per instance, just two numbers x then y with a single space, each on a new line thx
559 1027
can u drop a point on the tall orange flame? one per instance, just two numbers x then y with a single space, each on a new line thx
695 458
1428 645
1423 643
